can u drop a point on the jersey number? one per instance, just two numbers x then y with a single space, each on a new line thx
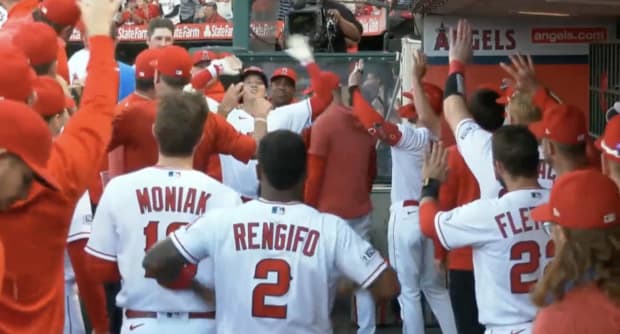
517 252
283 282
151 235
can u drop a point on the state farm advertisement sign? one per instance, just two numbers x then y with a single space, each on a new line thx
499 37
374 25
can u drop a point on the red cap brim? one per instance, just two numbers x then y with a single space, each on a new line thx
538 129
41 174
543 213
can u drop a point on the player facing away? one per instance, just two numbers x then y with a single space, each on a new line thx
138 209
274 255
510 250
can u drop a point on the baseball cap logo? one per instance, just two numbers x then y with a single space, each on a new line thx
609 218
556 212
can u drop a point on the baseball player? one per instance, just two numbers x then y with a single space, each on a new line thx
473 142
33 292
283 252
79 230
510 250
294 117
410 253
609 145
140 208
50 104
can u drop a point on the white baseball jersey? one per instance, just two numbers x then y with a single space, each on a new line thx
141 208
77 63
407 160
242 177
474 144
273 263
510 252
81 223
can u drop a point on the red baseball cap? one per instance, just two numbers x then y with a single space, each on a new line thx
309 90
609 142
434 95
61 12
174 61
506 92
38 42
331 80
407 111
563 123
568 207
17 75
203 56
285 72
28 137
50 96
145 64
254 70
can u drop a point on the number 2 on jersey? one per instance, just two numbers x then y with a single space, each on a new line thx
517 252
151 235
283 283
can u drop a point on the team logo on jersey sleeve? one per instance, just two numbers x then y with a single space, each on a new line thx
466 129
368 254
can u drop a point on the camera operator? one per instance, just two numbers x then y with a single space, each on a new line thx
348 29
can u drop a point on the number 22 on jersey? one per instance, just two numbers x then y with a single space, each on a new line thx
282 271
532 250
151 235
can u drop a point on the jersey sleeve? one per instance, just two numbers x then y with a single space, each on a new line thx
293 117
355 257
104 237
467 225
195 241
413 139
474 144
82 220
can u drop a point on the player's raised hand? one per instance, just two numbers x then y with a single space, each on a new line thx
231 99
297 47
435 162
522 72
355 77
419 64
229 65
98 15
261 107
461 42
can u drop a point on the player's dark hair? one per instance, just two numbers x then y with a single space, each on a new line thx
572 151
282 158
517 149
174 82
179 123
157 23
144 85
486 111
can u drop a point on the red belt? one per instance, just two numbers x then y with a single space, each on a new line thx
410 202
131 314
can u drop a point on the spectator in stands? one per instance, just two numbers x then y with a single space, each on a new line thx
160 33
208 14
170 9
140 12
188 10
224 8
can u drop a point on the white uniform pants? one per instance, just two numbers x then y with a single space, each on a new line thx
412 257
74 323
364 303
525 328
168 323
